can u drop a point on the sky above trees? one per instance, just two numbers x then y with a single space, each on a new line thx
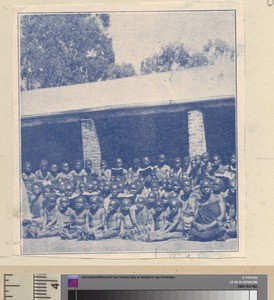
136 36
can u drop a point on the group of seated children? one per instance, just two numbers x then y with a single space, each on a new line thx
194 199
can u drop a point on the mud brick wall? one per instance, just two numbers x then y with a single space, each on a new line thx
196 131
90 142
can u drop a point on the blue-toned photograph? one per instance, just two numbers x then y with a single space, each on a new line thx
128 132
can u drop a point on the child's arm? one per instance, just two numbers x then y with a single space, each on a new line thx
132 214
173 224
122 227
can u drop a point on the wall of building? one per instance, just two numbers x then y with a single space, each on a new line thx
131 136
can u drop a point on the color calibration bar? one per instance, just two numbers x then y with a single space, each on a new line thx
162 295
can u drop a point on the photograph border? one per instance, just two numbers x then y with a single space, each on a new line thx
239 130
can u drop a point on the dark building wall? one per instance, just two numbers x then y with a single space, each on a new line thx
131 136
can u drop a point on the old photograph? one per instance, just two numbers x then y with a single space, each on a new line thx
128 132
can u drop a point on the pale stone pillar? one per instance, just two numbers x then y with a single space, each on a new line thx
90 142
196 133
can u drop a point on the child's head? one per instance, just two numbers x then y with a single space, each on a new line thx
186 187
136 163
78 166
104 164
79 203
206 187
193 162
163 184
69 190
198 160
106 187
216 160
154 185
118 163
177 162
205 157
95 185
140 202
146 161
233 159
63 202
62 186
48 190
161 159
113 205
158 206
114 189
89 187
44 165
27 168
88 164
174 205
65 167
186 161
94 202
232 187
176 185
82 187
169 185
217 185
36 188
126 204
121 187
165 199
133 189
185 176
152 196
54 169
51 201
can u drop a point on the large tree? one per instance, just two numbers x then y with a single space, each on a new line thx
64 49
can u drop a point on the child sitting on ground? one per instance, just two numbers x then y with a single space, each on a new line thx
112 221
127 227
159 221
141 219
96 218
78 221
50 213
78 173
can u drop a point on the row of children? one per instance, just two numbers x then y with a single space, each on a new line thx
145 208
197 169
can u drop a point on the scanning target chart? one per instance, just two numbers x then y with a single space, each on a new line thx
134 287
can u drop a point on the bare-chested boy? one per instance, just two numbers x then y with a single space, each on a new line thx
43 175
112 221
188 205
50 213
162 170
96 218
133 172
177 170
141 219
65 174
78 173
78 221
27 176
127 229
159 221
175 226
36 200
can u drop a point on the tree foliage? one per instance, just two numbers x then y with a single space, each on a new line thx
119 71
64 49
176 57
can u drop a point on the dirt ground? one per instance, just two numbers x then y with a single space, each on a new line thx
55 245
